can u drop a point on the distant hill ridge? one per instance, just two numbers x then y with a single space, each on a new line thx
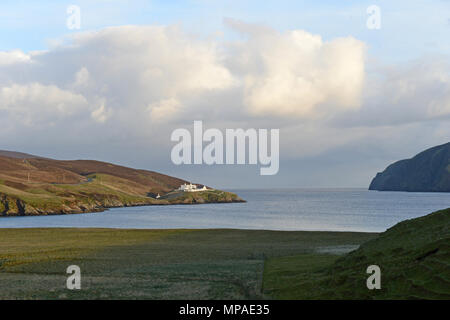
428 171
18 155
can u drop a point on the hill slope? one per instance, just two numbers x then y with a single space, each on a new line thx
427 171
414 258
34 185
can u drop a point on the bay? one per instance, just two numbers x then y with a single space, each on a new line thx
266 209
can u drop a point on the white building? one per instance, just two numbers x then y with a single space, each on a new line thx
191 188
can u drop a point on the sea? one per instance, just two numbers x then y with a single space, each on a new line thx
275 209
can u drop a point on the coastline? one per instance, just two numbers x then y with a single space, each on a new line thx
20 208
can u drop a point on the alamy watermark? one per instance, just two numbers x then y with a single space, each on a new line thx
374 20
74 17
249 146
74 280
374 280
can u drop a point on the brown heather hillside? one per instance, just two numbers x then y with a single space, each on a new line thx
38 170
31 185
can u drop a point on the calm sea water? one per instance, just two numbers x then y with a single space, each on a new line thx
289 209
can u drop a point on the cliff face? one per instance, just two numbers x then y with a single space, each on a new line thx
429 171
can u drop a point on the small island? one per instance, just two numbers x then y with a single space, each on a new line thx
32 185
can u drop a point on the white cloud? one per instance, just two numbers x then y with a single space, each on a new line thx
101 114
128 68
81 78
164 110
132 69
37 104
417 91
161 60
12 57
298 74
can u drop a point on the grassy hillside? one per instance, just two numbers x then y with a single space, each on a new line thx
150 264
414 257
35 186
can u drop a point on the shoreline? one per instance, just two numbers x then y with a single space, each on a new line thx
186 199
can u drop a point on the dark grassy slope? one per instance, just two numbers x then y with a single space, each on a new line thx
414 257
427 171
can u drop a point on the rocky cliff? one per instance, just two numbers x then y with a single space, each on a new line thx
428 171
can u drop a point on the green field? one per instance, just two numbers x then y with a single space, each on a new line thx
151 264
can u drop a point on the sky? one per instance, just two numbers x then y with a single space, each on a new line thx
348 99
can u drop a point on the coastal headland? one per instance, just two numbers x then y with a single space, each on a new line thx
31 185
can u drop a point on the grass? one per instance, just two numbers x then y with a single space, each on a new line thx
414 257
149 264
290 277
28 246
